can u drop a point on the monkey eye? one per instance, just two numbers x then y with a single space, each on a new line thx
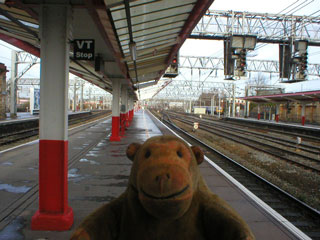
147 154
179 153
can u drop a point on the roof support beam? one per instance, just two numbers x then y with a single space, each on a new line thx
20 24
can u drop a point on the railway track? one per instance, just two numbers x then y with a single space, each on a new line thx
287 150
17 206
26 129
304 217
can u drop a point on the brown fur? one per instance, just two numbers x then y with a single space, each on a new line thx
166 198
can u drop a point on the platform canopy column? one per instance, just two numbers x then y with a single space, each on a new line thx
115 129
81 97
13 84
277 112
3 90
247 109
233 101
303 111
130 107
270 113
124 103
54 212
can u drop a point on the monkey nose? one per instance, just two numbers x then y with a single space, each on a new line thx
162 177
162 181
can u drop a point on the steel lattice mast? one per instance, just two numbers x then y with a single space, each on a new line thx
269 28
216 63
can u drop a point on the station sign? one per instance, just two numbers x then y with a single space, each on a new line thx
83 49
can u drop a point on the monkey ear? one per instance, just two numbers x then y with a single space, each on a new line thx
132 150
198 154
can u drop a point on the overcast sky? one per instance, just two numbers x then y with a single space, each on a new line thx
214 48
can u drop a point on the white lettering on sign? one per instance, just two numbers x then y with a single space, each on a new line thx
84 55
83 49
81 43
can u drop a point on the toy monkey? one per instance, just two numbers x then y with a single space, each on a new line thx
166 198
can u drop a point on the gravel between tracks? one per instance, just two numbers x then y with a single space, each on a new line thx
301 183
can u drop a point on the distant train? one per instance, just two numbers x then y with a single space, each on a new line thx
207 109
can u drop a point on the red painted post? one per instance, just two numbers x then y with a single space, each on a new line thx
127 119
303 110
54 212
122 124
277 118
131 114
259 116
115 129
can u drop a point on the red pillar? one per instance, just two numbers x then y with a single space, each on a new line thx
122 124
53 214
131 114
115 129
303 110
127 119
124 108
277 112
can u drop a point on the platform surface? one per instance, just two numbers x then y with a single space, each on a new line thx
273 122
98 173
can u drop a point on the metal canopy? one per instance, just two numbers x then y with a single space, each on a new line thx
310 96
158 29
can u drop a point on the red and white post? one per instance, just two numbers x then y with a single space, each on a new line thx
54 214
115 128
124 107
303 112
247 109
130 106
259 111
124 104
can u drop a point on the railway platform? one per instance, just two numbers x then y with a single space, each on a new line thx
307 129
98 172
20 116
25 116
272 122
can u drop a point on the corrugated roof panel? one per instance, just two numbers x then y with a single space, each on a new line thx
150 8
157 29
154 24
9 24
152 21
19 14
160 35
152 44
150 16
